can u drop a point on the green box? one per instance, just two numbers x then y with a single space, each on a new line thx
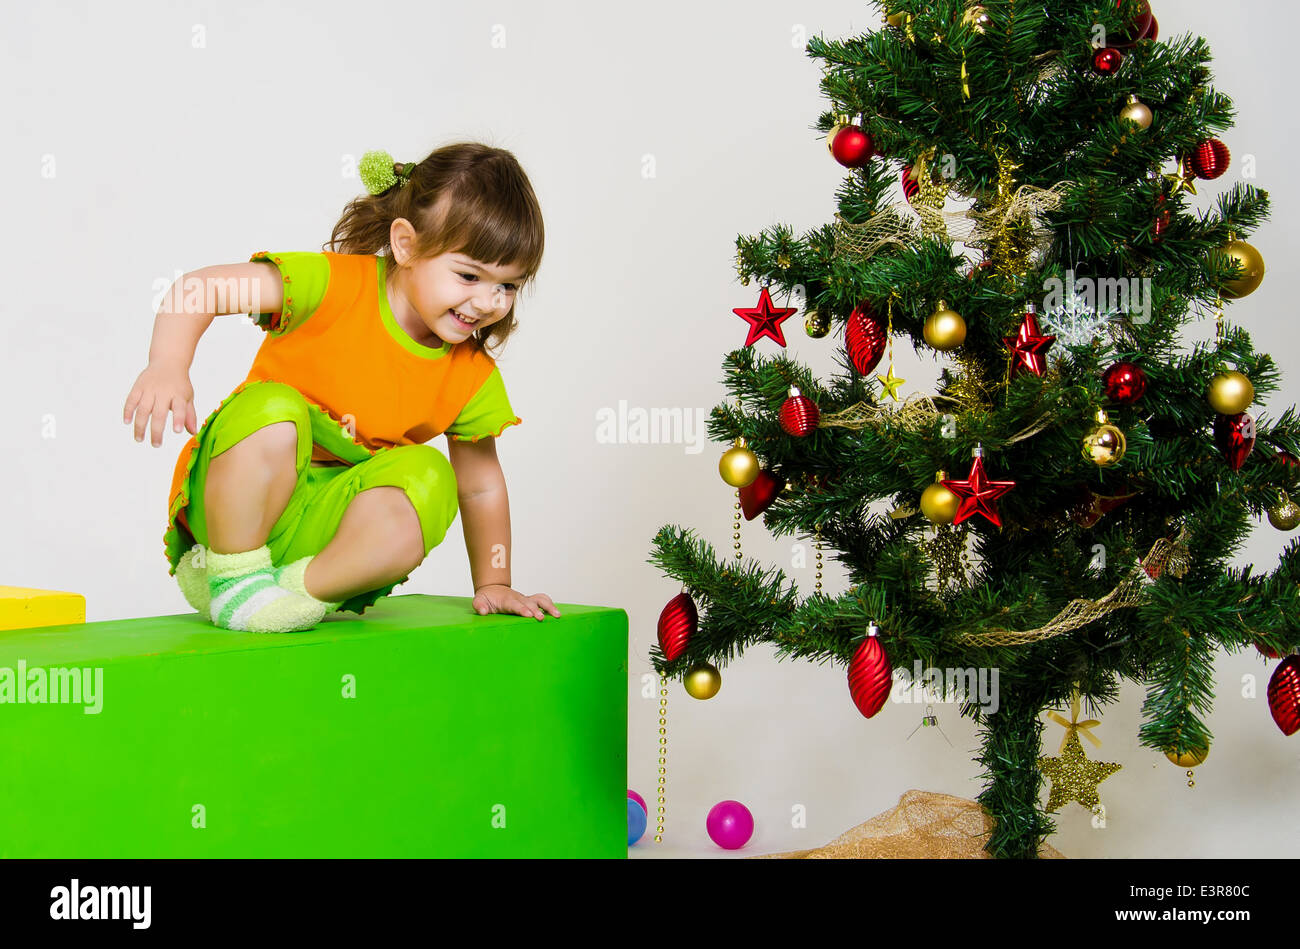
464 736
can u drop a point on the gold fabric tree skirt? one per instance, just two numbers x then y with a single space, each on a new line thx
924 825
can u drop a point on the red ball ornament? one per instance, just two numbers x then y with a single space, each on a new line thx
757 496
1137 28
865 338
677 624
853 147
869 675
1234 435
799 414
1154 32
1210 159
1284 695
1267 652
910 185
1163 218
977 493
1107 60
1286 458
1125 383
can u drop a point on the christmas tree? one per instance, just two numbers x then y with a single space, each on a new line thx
1064 506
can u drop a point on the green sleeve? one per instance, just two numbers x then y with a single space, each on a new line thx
486 414
305 278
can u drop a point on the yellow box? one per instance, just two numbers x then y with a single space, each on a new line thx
23 608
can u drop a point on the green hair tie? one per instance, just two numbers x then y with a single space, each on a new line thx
379 172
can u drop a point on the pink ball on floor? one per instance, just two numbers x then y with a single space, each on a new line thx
730 825
639 799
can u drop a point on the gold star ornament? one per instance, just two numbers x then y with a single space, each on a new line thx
891 383
1074 777
1183 179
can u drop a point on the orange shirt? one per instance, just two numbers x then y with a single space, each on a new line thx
336 341
350 357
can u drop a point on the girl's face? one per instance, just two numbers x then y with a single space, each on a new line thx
453 295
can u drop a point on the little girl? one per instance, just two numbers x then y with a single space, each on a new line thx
310 489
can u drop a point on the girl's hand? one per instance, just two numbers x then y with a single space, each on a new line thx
499 598
160 389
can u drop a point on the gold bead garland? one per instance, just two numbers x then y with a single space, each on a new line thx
817 588
735 533
663 753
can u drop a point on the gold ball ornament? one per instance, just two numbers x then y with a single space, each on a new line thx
1285 515
1137 112
938 504
1105 445
945 329
1188 759
1230 393
977 18
816 324
702 681
739 465
841 123
830 137
1252 269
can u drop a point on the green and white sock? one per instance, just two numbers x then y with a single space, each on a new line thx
193 579
291 577
247 597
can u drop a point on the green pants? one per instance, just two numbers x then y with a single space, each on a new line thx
323 492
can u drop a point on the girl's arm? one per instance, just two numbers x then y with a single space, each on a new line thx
485 517
186 312
197 298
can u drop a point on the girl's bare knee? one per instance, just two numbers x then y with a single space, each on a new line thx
401 523
274 446
278 438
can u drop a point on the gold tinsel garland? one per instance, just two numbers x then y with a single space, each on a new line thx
947 550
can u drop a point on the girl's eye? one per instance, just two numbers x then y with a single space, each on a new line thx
469 276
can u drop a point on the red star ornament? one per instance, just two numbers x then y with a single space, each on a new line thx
765 319
1029 345
978 493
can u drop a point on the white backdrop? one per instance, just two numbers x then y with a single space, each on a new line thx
152 139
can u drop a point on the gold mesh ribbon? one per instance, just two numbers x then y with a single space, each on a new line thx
916 413
1015 217
924 825
890 226
1164 555
1029 205
896 224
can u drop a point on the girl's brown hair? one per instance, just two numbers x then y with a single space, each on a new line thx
468 198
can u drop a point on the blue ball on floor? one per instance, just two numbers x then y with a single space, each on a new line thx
636 822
